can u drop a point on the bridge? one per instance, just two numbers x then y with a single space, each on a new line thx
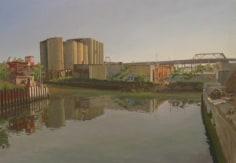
202 58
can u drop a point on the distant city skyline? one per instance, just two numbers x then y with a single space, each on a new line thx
131 30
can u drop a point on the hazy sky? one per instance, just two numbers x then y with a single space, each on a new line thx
131 30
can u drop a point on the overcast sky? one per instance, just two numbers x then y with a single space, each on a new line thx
131 30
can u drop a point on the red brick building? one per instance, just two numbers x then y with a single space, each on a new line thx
20 72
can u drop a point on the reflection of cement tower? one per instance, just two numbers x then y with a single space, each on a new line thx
56 115
87 109
51 54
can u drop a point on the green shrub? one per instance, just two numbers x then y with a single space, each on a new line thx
5 85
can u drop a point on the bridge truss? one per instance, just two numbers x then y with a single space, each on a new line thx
209 56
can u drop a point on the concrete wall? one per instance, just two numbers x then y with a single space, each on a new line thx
226 135
81 71
141 70
224 119
225 72
97 72
113 70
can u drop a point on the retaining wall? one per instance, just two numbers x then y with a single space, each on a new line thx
223 117
9 97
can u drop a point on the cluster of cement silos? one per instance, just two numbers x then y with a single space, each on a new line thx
95 50
75 52
57 55
83 51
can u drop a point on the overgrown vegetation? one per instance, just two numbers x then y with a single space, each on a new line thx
197 86
141 79
37 72
4 72
120 76
139 84
187 75
56 90
4 76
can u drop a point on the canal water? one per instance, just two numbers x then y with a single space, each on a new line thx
74 129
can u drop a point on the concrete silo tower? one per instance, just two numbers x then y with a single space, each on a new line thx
89 42
101 53
85 54
70 53
51 54
44 55
80 53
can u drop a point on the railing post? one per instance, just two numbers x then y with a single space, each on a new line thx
1 99
4 97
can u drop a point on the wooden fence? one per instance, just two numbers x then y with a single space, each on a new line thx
10 97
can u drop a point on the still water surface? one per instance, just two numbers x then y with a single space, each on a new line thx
104 130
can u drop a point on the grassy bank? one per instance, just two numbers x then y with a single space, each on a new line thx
129 86
66 90
215 146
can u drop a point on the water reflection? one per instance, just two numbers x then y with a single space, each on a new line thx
61 109
22 118
104 129
176 103
25 117
136 105
26 123
4 142
54 113
88 108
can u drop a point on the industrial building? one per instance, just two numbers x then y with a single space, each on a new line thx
20 71
58 57
162 73
118 72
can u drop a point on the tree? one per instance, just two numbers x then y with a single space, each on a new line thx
37 72
18 59
4 72
140 79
